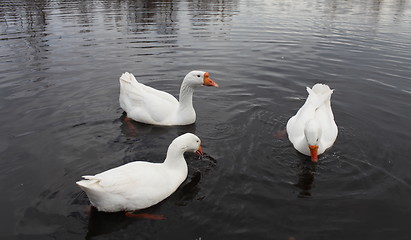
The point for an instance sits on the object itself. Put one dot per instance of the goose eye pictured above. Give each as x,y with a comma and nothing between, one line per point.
198,76
197,141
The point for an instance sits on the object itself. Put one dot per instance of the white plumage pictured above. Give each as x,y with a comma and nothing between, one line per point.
313,129
148,105
139,185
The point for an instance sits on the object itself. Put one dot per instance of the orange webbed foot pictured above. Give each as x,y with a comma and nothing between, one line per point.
281,134
130,125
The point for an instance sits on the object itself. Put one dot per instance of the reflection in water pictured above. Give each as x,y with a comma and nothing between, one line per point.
101,223
131,128
26,22
143,15
400,8
306,178
211,17
376,9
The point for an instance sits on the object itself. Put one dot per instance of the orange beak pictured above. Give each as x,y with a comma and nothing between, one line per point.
207,80
199,151
314,152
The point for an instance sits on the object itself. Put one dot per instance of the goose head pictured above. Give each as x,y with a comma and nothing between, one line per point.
198,78
188,142
312,133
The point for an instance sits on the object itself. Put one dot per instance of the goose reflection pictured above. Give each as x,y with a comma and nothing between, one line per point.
306,178
132,128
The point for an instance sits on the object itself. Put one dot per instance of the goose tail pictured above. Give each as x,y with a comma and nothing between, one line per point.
319,94
87,182
127,78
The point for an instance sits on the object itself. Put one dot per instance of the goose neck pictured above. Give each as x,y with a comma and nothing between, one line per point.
175,156
186,95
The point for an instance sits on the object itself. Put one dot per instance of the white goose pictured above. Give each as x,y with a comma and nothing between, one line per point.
312,130
148,105
139,185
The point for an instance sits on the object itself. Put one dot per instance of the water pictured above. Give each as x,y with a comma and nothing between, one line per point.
60,117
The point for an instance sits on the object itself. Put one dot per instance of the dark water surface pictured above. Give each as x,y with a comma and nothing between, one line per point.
60,118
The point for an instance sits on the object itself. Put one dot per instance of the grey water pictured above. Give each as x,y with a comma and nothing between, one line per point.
60,61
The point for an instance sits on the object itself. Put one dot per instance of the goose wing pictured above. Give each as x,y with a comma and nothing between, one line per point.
144,103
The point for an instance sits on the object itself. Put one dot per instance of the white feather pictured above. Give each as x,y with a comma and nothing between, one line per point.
148,105
314,118
139,185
